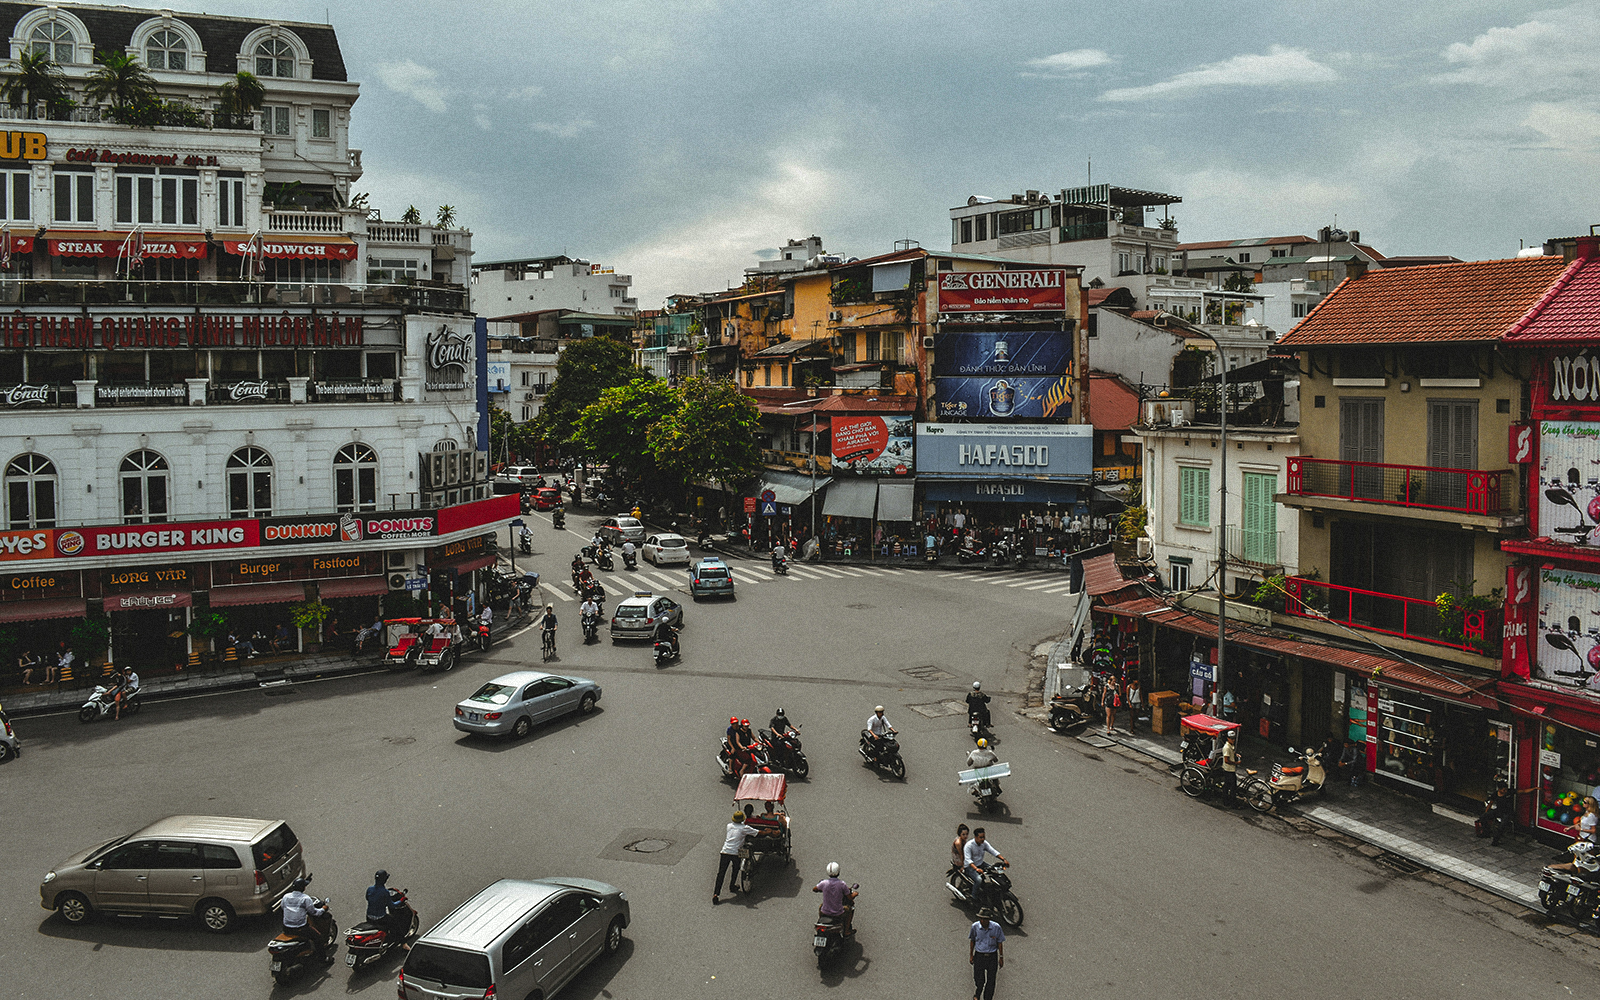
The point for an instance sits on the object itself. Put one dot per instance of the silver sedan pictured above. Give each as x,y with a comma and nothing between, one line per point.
512,704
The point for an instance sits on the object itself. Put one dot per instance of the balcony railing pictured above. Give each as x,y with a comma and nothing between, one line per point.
54,292
1466,491
1391,614
175,117
384,233
306,222
1252,547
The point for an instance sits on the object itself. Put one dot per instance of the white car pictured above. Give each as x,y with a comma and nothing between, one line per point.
666,550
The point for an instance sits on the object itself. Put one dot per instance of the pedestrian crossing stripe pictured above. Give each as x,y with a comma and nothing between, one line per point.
557,593
825,572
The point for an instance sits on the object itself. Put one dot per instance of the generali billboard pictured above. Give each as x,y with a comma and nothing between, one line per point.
1032,290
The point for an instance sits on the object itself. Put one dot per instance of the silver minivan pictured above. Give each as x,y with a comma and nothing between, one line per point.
217,867
517,938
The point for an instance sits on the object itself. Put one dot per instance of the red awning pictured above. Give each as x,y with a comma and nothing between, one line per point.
20,244
101,244
23,611
322,248
352,586
257,593
464,565
150,602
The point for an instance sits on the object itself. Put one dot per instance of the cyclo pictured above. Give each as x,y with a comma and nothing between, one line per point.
409,644
774,839
1201,772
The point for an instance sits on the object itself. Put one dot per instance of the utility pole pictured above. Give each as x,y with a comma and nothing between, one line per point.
1222,524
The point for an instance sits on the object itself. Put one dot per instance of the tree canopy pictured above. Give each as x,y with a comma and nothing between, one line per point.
618,426
711,433
121,80
587,368
36,79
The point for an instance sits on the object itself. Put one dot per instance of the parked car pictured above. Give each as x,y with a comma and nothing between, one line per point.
666,550
638,616
618,529
527,475
512,704
710,576
217,867
10,746
516,938
546,498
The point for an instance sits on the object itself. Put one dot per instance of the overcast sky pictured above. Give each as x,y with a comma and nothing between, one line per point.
678,141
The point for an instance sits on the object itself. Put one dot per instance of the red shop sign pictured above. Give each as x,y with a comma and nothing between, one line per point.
154,538
304,251
1033,290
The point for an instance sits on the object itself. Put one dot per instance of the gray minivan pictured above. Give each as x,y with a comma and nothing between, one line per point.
217,867
517,938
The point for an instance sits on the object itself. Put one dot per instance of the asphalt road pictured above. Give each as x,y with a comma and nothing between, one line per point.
1130,888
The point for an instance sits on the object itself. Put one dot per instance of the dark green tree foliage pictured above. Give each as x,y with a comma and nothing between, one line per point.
586,368
710,434
617,428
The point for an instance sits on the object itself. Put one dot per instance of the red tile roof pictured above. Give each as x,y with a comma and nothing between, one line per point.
868,404
1097,296
1113,403
1438,303
1570,308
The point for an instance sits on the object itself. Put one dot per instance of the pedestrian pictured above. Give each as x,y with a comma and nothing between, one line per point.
1133,700
986,953
1230,766
1587,825
738,830
1110,700
27,663
63,664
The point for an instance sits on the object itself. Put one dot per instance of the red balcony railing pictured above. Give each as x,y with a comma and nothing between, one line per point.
1391,614
1468,491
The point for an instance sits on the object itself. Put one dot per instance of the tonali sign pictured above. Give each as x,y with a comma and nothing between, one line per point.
1032,290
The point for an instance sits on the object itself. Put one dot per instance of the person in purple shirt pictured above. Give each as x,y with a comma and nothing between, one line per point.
836,897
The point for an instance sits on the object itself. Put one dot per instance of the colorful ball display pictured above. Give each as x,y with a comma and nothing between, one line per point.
1550,813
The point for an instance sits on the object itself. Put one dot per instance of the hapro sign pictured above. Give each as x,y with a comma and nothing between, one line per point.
1006,451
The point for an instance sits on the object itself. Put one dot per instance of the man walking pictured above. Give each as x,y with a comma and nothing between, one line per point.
737,831
986,953
1230,767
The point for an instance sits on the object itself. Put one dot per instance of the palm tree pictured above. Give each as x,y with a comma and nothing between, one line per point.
412,217
242,95
122,80
447,216
36,79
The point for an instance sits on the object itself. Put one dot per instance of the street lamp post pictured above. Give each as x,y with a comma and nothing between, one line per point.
1222,525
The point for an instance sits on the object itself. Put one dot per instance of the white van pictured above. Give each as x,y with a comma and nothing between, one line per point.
517,938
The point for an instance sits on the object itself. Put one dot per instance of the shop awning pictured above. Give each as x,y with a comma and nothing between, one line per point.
791,487
257,593
352,586
1101,575
26,611
851,498
110,244
472,564
159,601
896,501
317,248
19,244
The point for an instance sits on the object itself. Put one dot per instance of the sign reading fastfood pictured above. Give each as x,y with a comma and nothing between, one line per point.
1032,290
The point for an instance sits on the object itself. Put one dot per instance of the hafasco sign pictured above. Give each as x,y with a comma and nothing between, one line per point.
449,350
1006,450
1034,290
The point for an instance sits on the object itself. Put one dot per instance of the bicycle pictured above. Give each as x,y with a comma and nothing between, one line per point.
549,643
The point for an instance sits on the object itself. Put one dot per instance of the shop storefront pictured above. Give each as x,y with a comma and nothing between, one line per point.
149,608
457,572
37,611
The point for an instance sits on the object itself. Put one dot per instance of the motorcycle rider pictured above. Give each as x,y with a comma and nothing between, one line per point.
486,621
1230,766
384,909
589,607
978,702
742,743
666,633
877,726
778,557
974,867
982,756
577,569
629,557
299,910
525,537
836,897
780,724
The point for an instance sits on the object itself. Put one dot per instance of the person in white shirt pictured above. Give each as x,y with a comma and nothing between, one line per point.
628,551
299,910
588,607
130,687
974,867
738,830
877,725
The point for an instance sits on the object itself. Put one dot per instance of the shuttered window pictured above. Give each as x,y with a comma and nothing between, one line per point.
1194,497
1260,521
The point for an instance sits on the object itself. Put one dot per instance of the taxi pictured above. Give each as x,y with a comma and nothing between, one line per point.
637,616
710,576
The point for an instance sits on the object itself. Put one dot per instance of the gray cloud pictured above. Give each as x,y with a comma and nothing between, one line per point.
416,81
1278,67
1069,65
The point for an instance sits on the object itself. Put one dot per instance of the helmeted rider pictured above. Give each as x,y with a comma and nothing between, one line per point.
628,550
384,909
836,897
778,555
589,607
877,726
983,755
666,633
973,865
780,724
978,702
299,910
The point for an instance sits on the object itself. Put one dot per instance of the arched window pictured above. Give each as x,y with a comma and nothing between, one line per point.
274,57
31,492
250,483
144,487
445,444
52,39
355,478
167,50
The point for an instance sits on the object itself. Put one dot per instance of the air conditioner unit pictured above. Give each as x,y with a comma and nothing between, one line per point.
835,316
528,395
397,581
1144,548
927,343
480,467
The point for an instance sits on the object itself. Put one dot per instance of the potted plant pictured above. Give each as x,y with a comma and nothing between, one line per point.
209,627
308,616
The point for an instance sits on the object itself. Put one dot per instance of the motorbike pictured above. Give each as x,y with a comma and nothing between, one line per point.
367,943
1575,891
525,542
664,652
1069,706
978,726
596,593
970,553
292,956
760,763
883,754
527,503
830,936
931,556
705,542
1000,554
481,629
780,565
985,784
591,628
783,750
558,519
101,704
630,560
997,888
1291,784
604,561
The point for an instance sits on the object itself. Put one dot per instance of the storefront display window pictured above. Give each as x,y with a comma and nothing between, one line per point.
1569,769
1406,736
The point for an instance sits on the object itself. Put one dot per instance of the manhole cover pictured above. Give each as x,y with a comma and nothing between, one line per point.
927,673
399,741
1398,864
649,845
939,708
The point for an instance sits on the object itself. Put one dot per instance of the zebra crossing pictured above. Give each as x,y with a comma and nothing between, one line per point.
1039,581
650,578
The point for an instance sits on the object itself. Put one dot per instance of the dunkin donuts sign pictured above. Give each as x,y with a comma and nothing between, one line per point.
349,527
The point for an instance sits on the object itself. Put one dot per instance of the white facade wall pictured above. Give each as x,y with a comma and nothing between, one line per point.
569,286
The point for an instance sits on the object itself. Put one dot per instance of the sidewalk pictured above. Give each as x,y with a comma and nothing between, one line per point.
231,677
1429,835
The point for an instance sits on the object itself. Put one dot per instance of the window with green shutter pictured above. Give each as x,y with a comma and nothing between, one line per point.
1194,497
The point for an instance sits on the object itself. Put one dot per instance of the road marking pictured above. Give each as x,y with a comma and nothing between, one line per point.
1061,588
850,570
798,575
664,580
827,573
1047,583
752,578
558,593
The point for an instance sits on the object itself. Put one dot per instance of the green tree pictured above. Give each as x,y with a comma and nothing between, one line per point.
241,97
507,438
121,80
617,428
711,435
586,368
36,79
447,216
411,217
